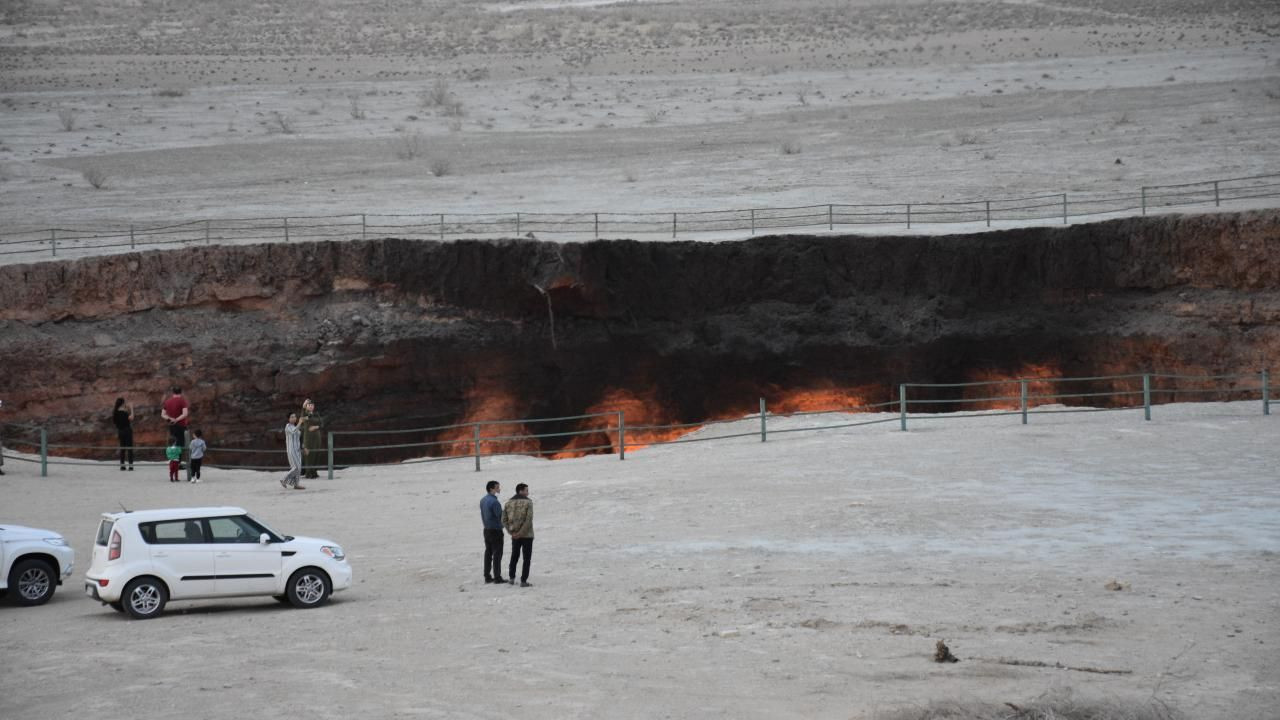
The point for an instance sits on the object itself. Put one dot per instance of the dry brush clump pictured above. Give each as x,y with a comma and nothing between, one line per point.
67,118
95,176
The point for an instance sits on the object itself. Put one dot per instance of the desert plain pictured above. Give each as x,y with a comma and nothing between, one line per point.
1094,556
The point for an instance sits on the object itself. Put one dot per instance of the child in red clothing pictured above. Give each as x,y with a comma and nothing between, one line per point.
174,453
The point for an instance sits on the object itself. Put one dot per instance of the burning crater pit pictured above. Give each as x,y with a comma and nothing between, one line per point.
397,334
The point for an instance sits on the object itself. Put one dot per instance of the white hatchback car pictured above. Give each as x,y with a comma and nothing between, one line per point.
33,563
143,559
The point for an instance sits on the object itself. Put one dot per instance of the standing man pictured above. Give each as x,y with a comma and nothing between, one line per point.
518,517
491,516
177,413
292,448
312,431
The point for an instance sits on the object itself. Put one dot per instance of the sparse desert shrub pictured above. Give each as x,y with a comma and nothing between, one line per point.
629,175
802,96
1122,119
408,147
282,122
95,176
357,112
791,147
968,138
453,108
440,166
654,116
455,124
169,92
438,94
988,155
67,118
1208,119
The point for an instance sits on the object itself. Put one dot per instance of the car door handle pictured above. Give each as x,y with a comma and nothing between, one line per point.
160,554
223,555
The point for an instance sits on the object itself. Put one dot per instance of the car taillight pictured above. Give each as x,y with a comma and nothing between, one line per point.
103,582
113,550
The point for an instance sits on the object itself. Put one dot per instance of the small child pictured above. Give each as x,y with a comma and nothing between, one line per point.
198,447
174,453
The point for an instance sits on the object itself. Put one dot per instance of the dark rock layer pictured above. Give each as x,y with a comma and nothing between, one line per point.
398,333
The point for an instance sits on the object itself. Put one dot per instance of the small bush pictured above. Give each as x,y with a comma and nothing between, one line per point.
1122,119
169,92
791,147
95,176
409,147
438,94
968,138
68,117
282,123
357,112
440,166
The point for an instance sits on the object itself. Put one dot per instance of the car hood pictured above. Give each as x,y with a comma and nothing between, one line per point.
300,542
10,533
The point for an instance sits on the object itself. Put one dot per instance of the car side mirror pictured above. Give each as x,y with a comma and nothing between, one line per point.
264,539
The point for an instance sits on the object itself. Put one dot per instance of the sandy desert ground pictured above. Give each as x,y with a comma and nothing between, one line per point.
194,110
808,577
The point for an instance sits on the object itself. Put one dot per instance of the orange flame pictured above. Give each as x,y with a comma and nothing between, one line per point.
1008,387
821,399
488,404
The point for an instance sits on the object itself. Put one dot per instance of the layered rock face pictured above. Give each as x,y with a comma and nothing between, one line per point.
395,333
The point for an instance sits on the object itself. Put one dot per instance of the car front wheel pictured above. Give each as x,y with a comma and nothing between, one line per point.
144,598
33,582
308,588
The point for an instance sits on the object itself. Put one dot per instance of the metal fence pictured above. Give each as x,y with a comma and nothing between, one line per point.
441,226
609,433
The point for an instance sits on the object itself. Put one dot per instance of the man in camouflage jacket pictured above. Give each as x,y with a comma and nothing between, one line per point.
517,517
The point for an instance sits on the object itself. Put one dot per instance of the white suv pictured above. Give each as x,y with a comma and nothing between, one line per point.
33,563
143,559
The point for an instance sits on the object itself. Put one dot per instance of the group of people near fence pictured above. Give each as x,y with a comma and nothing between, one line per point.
517,519
303,440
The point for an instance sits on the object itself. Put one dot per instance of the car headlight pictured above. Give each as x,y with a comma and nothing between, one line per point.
333,551
56,541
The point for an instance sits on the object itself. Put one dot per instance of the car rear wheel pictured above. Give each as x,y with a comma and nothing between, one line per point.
308,588
144,598
32,581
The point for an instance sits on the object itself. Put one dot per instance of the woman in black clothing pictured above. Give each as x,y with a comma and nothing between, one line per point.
124,429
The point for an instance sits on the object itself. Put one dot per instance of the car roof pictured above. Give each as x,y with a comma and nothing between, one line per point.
175,513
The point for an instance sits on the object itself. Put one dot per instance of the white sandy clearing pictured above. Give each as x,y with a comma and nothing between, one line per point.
807,577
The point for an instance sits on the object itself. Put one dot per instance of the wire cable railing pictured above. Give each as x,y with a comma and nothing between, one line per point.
608,432
1054,207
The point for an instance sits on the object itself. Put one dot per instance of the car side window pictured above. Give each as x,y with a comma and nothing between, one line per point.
173,532
233,529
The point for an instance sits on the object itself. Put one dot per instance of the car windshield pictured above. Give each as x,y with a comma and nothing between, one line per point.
267,529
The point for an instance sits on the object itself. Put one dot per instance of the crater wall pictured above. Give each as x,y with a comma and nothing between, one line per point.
397,333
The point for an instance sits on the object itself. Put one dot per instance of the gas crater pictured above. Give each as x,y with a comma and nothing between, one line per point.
392,334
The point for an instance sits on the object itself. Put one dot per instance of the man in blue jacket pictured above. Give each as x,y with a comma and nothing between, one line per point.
491,515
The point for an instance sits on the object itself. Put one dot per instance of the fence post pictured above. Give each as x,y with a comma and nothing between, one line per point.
53,237
622,435
286,229
1144,199
753,221
1023,383
44,452
902,406
830,221
517,223
206,231
1216,200
131,244
475,435
330,455
1146,396
1064,208
673,224
597,226
442,227
764,429
908,216
364,227
988,213
1266,392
